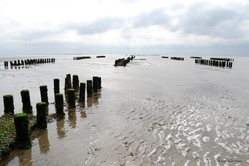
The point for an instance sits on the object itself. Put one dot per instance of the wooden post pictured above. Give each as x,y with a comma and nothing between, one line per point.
6,64
75,82
89,88
44,93
56,86
69,84
59,105
95,83
8,104
26,104
71,98
41,119
22,130
82,91
99,83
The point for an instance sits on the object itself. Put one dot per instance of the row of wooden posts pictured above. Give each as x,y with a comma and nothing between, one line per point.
87,57
28,62
177,58
123,61
216,63
21,119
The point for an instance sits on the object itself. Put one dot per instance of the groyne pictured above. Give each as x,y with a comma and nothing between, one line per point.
28,62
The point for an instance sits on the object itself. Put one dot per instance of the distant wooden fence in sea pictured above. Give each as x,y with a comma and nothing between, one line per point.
177,58
81,57
123,61
18,63
217,62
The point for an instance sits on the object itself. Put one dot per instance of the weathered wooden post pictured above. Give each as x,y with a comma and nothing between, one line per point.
41,119
75,82
71,98
56,86
44,94
89,88
95,83
69,84
6,64
59,104
8,104
22,130
99,83
26,104
82,91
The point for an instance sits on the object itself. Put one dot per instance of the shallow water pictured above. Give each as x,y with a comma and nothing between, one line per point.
152,112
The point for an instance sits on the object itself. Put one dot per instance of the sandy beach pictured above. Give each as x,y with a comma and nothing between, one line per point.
151,112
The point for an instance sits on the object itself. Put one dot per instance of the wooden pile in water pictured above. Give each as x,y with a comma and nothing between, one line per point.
81,57
16,63
123,61
217,62
177,58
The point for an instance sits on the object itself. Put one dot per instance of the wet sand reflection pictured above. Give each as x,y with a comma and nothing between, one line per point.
61,133
83,114
72,118
43,141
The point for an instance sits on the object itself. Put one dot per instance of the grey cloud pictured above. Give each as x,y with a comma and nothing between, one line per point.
199,19
215,22
100,25
155,17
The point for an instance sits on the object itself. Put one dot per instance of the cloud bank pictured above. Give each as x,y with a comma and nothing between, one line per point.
121,27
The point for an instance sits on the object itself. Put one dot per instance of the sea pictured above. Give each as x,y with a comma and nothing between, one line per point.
154,111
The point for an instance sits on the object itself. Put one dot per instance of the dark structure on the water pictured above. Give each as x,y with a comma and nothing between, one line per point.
123,61
177,58
217,62
81,57
28,62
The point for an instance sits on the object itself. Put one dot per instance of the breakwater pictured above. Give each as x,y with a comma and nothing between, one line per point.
177,58
27,62
81,57
16,129
123,61
217,62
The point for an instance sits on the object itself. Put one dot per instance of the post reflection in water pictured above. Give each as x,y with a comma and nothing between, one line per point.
43,141
72,118
60,128
95,98
25,157
89,101
83,114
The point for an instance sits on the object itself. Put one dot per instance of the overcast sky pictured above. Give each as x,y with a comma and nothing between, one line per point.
189,27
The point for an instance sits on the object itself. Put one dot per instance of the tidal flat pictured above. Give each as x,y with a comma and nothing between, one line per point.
154,111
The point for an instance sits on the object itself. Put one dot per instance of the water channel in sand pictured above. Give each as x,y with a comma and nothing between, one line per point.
151,112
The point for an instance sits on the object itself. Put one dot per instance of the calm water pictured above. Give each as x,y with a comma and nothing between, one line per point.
152,112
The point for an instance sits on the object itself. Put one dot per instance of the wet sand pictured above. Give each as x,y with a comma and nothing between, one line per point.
152,112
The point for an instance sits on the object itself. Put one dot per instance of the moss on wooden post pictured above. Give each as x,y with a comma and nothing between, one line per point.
8,104
82,91
22,131
41,119
89,85
56,86
95,83
59,106
26,104
71,98
75,82
44,93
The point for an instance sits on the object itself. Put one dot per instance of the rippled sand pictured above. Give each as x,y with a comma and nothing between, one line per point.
152,112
